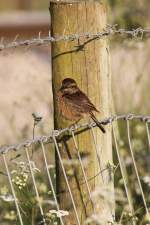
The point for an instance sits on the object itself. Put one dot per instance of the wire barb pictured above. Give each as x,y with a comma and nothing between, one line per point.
56,133
109,31
54,139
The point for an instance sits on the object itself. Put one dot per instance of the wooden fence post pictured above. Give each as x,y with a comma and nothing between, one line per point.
90,68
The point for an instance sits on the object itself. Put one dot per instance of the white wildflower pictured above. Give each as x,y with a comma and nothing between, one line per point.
7,198
59,213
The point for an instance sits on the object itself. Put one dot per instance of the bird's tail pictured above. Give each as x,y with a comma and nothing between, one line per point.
97,123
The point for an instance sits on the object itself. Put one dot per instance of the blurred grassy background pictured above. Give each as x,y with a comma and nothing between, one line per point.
130,14
25,78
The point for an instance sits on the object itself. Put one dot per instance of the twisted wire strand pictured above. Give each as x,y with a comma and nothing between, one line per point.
67,182
13,190
120,160
109,31
97,154
56,133
136,171
83,171
50,181
35,187
53,138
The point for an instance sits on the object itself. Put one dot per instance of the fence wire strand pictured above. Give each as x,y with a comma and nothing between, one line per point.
122,172
54,139
97,154
49,138
136,170
83,170
67,182
12,189
50,181
109,31
35,186
148,134
83,39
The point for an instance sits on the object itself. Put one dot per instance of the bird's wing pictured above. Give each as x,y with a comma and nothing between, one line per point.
80,101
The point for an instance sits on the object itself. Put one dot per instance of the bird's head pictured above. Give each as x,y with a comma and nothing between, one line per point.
69,86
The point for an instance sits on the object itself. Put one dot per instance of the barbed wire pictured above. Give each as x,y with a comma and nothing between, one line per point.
55,133
94,196
109,31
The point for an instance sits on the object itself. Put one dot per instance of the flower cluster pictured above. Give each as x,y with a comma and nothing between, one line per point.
59,213
11,215
146,180
53,215
20,179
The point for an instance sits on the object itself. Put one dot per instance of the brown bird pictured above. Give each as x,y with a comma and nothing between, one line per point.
74,104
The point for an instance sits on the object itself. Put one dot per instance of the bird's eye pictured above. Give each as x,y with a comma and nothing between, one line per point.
72,86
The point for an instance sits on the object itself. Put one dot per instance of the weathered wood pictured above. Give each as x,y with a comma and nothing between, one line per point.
90,68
